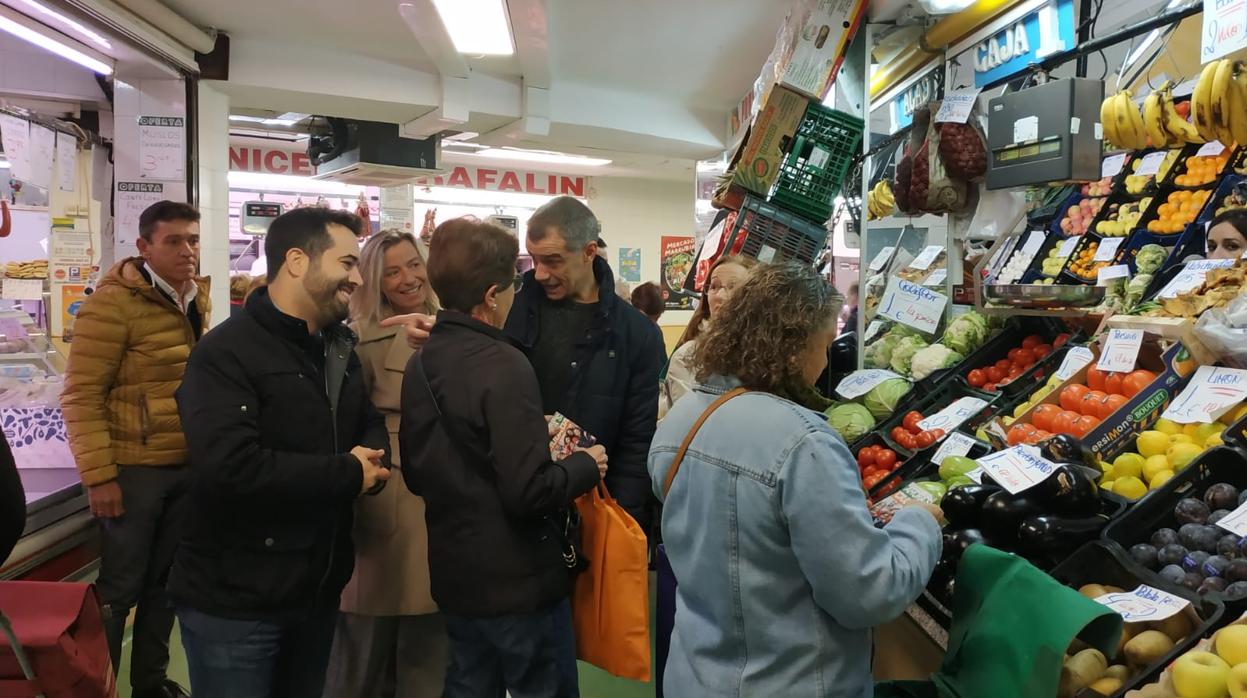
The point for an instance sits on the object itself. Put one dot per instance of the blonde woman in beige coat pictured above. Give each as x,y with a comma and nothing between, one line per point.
390,640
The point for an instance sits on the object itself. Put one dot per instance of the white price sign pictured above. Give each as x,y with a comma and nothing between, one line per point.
1107,274
1112,165
1213,390
881,260
1144,604
1192,276
1107,249
1018,469
1067,247
859,383
957,107
1121,351
1033,242
1224,29
926,257
1149,164
872,329
22,290
936,278
957,444
1211,149
954,415
913,305
1236,521
1074,360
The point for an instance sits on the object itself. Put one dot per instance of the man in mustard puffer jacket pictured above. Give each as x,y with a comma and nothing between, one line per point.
131,340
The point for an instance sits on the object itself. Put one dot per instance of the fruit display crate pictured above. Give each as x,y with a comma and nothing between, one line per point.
906,460
914,466
1183,168
1034,273
1067,275
1162,198
1229,184
1107,564
1075,199
1045,211
1236,436
942,377
1222,464
998,349
931,403
1121,184
1175,243
821,154
770,234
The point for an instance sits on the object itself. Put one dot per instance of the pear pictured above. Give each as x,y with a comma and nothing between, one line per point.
1093,591
1107,685
1147,647
1177,626
1081,671
1117,671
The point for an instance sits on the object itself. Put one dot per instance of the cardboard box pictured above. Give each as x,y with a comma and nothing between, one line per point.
756,163
813,42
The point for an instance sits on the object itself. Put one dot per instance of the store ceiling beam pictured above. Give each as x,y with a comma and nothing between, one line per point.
530,28
424,22
172,23
452,114
534,120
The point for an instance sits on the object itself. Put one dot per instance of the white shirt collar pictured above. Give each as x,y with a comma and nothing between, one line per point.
183,301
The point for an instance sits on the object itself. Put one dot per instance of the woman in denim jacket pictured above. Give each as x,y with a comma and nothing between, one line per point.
781,570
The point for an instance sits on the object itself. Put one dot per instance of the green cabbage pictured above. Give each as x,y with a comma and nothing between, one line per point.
851,420
930,359
967,333
879,353
1149,259
883,398
904,352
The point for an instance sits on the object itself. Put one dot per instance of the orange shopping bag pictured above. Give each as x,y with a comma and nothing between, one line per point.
610,602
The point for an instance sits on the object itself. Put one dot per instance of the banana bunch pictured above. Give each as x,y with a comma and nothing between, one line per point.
1165,127
1123,124
879,200
1219,103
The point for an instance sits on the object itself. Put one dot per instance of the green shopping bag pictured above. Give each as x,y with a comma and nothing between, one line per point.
1011,625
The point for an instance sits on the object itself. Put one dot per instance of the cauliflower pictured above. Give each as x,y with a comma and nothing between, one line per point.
930,359
1149,258
967,333
879,354
904,352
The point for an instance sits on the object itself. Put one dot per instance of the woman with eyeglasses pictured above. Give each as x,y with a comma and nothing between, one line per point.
390,639
476,446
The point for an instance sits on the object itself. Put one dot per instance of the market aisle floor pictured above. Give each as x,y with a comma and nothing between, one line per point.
594,683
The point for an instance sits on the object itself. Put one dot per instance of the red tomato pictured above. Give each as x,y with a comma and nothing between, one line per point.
1095,378
939,433
910,422
1112,404
1041,350
1083,424
886,458
995,374
1016,371
1064,422
1040,435
1113,383
907,442
924,439
1032,341
1004,364
976,378
898,433
1060,340
1136,382
1018,433
989,387
865,458
873,479
1015,355
1072,395
1043,415
888,488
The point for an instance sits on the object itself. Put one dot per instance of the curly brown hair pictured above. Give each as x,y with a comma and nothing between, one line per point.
764,329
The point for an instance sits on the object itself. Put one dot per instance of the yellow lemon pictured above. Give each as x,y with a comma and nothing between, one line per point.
1180,439
1107,486
1238,413
1108,473
1180,455
1128,465
1213,440
1167,426
1129,487
1154,466
1201,432
1152,443
1161,478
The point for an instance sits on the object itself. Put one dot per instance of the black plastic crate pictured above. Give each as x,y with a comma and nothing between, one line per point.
917,466
1227,185
1236,434
931,403
821,154
1107,564
1000,346
770,234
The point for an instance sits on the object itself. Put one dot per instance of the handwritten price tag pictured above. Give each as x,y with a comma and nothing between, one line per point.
1150,164
1211,393
872,329
1210,149
957,107
1236,521
1121,351
881,259
936,278
1074,360
1192,276
1107,274
1018,469
1033,242
1067,247
1144,604
957,444
926,257
859,383
954,415
1112,165
912,304
1107,249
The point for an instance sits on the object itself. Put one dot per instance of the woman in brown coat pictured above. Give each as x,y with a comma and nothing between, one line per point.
390,640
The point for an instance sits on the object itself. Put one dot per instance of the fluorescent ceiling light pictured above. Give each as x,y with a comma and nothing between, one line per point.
944,7
283,120
539,156
1138,53
55,16
477,27
263,181
4,164
47,39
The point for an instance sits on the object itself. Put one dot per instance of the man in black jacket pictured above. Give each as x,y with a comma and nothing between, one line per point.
597,358
282,438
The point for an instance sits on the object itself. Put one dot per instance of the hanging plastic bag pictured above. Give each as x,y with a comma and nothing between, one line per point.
998,212
1224,332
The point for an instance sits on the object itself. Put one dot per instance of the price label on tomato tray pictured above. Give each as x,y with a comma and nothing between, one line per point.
1107,274
1018,469
957,444
1067,246
1150,164
954,415
1213,390
926,257
957,107
1107,249
1144,604
1074,360
1112,165
1192,276
881,260
1121,351
913,305
858,383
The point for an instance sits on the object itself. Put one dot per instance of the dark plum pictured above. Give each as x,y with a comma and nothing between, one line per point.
1191,511
1237,571
1200,537
1170,555
1145,554
1217,515
1194,560
1221,496
1236,589
1192,580
1163,537
1212,585
1216,566
1242,548
1242,498
1227,547
1174,574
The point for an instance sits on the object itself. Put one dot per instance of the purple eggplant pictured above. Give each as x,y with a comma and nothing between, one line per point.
1070,491
1046,534
1002,513
962,504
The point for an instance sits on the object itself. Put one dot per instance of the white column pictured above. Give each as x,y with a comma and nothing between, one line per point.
213,179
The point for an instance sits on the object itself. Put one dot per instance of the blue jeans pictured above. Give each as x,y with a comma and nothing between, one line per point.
530,655
231,658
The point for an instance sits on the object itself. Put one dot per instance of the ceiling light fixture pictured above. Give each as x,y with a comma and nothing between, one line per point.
542,156
477,27
4,164
944,7
1150,39
92,36
35,33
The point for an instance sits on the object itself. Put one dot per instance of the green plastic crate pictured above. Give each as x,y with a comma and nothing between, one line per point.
817,163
